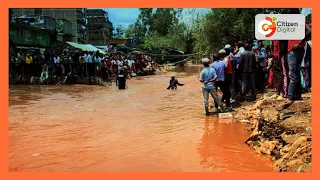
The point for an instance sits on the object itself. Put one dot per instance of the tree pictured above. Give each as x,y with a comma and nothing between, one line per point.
196,32
192,19
166,31
140,28
163,20
222,26
119,31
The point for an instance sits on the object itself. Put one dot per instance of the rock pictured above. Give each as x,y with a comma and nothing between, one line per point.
277,156
268,146
299,141
283,134
280,98
255,143
244,121
253,136
295,162
258,151
250,143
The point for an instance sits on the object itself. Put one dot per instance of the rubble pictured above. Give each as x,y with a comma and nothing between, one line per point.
284,135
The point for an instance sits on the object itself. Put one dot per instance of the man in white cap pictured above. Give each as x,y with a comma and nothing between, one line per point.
221,68
207,77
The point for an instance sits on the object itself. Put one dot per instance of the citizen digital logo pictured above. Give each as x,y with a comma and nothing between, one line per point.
285,26
280,26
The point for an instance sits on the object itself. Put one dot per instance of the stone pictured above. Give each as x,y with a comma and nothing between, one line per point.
253,135
295,162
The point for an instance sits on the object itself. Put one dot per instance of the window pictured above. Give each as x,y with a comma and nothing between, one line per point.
21,33
38,11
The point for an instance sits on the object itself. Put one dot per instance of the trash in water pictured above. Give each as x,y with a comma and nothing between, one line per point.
225,116
36,154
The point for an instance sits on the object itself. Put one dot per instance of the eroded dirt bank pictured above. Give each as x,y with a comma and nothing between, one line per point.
285,135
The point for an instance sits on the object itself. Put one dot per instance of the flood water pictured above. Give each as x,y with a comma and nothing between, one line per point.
145,128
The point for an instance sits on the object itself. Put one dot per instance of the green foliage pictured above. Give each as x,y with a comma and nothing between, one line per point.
227,26
159,30
196,32
176,38
138,30
120,32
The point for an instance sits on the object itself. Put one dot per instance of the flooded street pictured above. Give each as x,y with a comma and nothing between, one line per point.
143,128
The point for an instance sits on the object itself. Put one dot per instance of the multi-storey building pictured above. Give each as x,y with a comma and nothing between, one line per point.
77,16
99,27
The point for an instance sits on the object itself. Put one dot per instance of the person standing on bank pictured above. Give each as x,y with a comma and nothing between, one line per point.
237,80
295,57
233,63
224,72
261,65
248,67
207,77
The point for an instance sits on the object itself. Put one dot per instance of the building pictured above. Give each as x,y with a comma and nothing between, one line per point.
39,32
99,27
77,17
115,42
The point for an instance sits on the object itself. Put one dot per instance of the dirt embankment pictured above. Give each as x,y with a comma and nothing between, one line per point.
285,135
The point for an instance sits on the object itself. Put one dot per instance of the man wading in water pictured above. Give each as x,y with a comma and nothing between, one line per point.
207,77
173,83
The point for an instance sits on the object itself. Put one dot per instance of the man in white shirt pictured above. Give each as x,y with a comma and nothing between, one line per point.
88,58
130,62
56,59
120,64
237,79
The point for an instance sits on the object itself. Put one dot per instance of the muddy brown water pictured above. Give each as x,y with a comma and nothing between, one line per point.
145,128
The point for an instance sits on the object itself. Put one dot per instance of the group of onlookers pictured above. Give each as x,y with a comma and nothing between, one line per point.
84,64
284,65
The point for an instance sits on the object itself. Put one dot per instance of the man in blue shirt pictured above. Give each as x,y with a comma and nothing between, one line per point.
220,66
207,77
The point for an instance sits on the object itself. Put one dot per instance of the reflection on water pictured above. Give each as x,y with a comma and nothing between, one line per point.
144,128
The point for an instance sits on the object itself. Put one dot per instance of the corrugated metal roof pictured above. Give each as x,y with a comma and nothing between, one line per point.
85,47
95,49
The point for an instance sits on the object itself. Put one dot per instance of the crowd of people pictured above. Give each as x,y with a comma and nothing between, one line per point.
251,67
79,63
